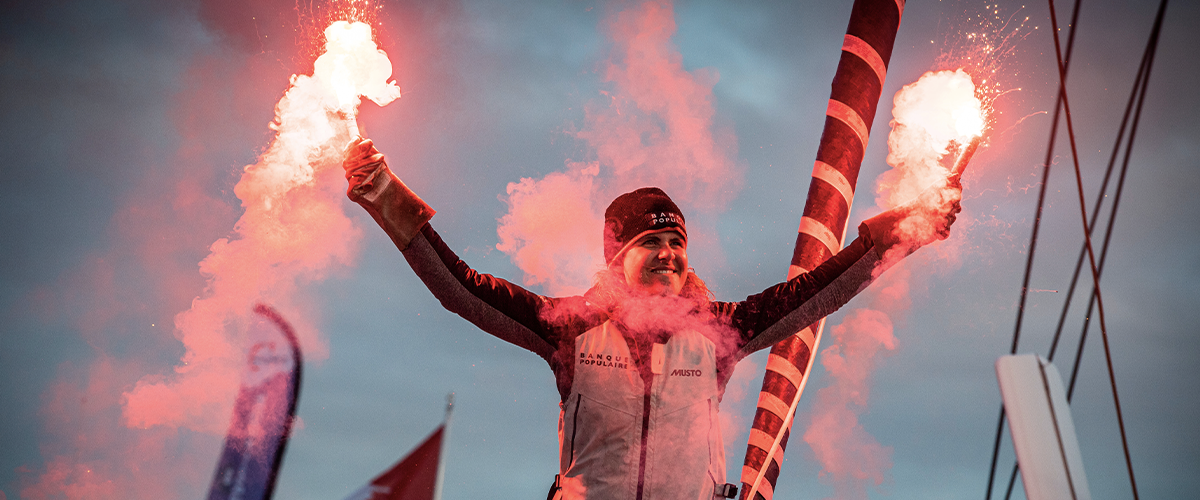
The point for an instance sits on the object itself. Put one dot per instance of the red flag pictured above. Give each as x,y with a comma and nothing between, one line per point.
414,477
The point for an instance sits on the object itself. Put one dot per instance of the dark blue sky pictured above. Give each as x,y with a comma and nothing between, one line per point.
126,124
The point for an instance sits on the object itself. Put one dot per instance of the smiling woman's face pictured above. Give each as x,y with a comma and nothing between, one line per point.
657,263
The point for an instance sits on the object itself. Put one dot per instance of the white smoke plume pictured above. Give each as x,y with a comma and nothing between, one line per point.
124,429
934,116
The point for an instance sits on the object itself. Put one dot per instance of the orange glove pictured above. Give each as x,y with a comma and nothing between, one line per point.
362,163
398,210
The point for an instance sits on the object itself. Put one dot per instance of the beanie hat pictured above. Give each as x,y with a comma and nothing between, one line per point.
634,214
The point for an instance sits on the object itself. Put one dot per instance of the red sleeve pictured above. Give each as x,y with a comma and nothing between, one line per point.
497,306
786,308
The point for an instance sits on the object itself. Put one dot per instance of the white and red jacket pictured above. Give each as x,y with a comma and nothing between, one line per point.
639,409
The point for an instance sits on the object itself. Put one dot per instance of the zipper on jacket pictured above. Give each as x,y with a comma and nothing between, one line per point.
647,377
645,435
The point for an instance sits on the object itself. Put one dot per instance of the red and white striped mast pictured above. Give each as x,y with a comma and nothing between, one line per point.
857,86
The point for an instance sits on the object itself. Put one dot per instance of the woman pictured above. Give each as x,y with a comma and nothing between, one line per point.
641,360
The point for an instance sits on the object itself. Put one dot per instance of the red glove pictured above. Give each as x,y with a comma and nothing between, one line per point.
362,163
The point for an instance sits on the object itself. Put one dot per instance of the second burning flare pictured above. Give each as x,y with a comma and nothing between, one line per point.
936,118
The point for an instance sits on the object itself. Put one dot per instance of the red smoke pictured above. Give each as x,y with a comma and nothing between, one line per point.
653,127
291,232
656,127
118,301
552,229
850,457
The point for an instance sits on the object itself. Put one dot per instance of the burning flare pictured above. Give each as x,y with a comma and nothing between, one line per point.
292,231
353,66
935,121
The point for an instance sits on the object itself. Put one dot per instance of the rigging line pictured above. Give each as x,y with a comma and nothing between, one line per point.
1012,480
1112,161
1099,297
1092,301
1148,61
995,452
1137,95
1141,82
1037,221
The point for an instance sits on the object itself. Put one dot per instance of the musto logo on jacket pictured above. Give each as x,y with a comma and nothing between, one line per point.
622,437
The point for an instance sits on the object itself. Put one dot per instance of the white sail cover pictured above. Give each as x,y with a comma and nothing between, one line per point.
1042,429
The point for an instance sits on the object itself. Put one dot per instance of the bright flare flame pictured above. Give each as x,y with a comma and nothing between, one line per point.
353,66
968,119
944,105
934,117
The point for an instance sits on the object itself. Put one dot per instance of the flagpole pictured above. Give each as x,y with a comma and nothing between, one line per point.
441,468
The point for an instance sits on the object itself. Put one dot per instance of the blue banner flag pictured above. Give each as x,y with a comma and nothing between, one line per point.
262,413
